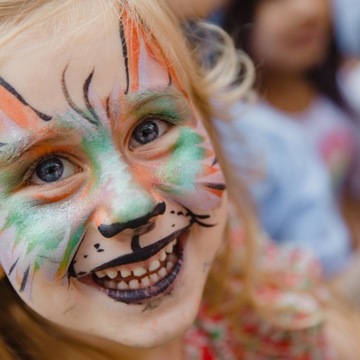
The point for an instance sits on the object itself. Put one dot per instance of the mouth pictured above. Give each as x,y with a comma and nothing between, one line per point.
135,283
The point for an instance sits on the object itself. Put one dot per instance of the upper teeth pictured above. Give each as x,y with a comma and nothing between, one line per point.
169,247
139,271
154,265
154,268
124,273
112,274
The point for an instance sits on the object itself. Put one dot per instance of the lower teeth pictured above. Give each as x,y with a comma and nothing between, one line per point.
144,282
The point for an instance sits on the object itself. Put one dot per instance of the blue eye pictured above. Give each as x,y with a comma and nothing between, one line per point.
50,170
53,169
148,131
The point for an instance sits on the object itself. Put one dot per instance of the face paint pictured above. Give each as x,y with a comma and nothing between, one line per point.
132,206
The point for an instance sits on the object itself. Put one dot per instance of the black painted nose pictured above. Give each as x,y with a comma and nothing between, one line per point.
111,230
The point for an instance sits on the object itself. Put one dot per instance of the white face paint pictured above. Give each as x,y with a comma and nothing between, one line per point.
112,202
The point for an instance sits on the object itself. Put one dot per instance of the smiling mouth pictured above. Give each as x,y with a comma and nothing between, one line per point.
135,283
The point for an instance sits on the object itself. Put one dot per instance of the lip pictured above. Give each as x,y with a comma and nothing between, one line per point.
141,295
138,296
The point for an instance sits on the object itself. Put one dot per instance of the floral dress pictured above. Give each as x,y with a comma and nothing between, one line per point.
293,331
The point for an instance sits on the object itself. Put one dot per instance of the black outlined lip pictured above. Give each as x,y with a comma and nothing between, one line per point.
142,254
142,295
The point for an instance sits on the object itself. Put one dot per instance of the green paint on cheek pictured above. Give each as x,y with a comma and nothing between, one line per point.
95,147
20,219
41,231
185,161
72,244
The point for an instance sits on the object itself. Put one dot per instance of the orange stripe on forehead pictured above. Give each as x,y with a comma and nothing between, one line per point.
14,106
15,110
140,44
132,42
131,34
156,52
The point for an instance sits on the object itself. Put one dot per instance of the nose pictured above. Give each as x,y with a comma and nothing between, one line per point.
124,199
110,230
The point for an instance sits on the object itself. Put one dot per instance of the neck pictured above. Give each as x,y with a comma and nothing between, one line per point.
287,91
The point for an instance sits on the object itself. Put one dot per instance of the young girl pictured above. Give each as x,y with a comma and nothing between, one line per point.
114,208
302,123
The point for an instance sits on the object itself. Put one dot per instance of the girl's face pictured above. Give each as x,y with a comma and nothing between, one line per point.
112,203
290,35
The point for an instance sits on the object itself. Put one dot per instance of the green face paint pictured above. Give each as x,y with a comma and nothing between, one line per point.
179,173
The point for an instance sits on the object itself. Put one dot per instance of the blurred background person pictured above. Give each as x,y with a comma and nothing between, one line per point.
301,111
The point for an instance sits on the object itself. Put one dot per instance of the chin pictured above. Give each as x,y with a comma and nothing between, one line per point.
92,312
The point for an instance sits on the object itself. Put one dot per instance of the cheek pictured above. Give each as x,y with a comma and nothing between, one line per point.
209,240
267,43
190,174
38,239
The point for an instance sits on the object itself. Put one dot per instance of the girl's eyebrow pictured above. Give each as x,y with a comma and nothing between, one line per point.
138,100
13,151
167,102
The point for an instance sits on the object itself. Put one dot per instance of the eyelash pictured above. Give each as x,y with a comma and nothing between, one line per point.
31,169
171,120
169,123
28,173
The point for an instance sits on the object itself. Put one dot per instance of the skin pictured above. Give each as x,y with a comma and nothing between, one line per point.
83,194
290,37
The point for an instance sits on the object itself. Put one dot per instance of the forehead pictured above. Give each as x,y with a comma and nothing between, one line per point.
110,51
